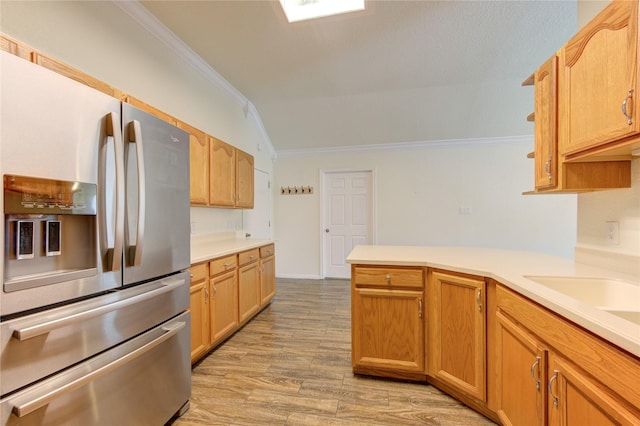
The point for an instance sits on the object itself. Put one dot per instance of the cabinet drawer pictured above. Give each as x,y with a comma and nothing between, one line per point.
394,277
198,272
248,256
267,251
223,264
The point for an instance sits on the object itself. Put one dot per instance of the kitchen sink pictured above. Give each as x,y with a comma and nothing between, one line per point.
621,298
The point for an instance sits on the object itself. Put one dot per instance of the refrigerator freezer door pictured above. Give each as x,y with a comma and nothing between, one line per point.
143,381
42,343
157,236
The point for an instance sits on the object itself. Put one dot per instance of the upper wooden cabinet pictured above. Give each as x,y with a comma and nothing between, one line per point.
230,176
575,116
150,109
546,122
598,86
222,187
198,164
244,180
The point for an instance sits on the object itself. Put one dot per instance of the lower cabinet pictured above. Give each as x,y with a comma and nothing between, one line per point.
248,285
550,372
227,292
500,353
521,366
388,321
267,279
224,306
576,399
457,331
199,308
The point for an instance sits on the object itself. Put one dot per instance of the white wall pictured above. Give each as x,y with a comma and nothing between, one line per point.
418,194
100,39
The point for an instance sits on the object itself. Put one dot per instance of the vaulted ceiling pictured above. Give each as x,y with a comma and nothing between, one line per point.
400,71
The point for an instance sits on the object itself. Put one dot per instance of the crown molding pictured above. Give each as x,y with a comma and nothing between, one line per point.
404,146
156,28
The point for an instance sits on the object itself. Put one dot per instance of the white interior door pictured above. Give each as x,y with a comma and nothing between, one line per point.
257,221
347,218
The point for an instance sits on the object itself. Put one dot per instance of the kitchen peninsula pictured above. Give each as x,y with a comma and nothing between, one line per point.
473,322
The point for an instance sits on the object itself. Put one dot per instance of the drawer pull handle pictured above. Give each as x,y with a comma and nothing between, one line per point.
388,278
28,332
533,372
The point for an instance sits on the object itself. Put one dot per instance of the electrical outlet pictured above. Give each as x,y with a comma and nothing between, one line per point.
464,210
612,235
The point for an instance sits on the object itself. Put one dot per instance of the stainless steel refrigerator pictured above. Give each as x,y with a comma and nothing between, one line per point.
94,321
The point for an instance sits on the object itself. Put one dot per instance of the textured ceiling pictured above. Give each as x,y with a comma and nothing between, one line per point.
401,71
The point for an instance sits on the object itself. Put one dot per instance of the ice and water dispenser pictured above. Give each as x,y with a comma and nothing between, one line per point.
50,231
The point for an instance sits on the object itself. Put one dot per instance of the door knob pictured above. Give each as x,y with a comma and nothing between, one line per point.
326,230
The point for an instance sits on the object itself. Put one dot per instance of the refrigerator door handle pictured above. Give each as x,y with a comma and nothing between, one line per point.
114,254
21,409
29,331
135,136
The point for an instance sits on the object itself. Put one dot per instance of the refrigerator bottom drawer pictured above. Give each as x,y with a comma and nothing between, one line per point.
144,381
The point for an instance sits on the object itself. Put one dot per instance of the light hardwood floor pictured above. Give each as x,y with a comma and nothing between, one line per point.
291,365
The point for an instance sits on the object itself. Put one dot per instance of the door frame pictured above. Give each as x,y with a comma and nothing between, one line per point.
323,201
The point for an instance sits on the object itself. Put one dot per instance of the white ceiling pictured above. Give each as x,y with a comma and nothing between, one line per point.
401,71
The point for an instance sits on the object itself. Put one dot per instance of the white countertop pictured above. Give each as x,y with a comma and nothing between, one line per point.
210,246
510,268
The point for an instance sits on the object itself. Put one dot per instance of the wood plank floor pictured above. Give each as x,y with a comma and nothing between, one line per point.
291,365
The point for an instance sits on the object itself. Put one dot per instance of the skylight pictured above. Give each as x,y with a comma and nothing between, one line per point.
300,10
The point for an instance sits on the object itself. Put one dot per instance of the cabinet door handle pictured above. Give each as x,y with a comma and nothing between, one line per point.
206,296
624,107
533,372
478,296
420,308
549,388
547,168
215,291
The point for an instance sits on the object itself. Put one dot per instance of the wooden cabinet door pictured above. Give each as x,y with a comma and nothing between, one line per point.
198,164
248,291
521,365
267,279
199,308
546,121
388,329
457,322
222,159
575,399
244,179
598,73
224,305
